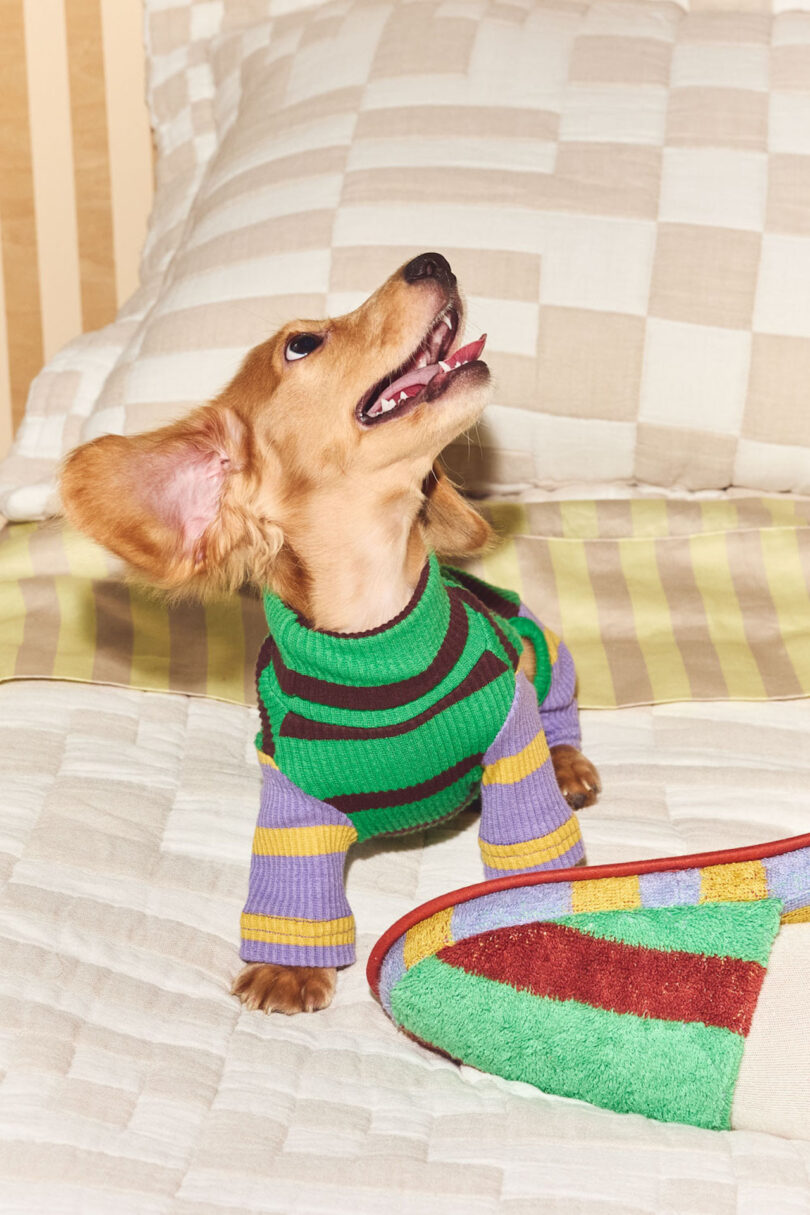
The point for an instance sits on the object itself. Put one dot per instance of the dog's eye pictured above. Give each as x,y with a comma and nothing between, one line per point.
302,345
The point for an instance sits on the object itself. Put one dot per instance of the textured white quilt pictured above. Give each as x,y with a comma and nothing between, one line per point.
133,1082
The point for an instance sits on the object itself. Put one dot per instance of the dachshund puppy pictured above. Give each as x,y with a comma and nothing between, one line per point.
392,690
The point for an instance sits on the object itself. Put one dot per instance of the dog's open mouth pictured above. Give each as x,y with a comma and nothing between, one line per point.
422,377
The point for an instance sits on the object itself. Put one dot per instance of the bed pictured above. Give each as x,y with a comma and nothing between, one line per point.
646,465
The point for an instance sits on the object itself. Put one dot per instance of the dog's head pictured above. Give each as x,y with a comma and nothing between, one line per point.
323,411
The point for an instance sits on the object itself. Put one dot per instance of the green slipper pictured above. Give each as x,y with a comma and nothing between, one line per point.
630,986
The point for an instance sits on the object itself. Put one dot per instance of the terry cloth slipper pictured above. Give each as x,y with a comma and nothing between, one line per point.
630,986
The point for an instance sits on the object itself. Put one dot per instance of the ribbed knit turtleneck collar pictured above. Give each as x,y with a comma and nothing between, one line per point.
399,649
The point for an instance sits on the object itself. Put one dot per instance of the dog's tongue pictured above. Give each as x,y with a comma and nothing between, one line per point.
413,381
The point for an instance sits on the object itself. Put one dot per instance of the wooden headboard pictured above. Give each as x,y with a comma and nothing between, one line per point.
76,179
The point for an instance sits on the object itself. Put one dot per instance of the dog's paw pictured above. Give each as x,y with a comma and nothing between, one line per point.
285,989
578,779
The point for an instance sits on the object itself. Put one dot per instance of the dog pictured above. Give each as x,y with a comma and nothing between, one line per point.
392,689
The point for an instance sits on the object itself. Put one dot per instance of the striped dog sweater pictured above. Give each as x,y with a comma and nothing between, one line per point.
392,730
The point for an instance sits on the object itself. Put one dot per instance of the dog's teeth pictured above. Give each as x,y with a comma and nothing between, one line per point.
445,366
447,322
403,396
386,405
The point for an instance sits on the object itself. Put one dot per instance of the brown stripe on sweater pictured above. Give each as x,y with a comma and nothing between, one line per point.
486,671
376,696
383,799
267,744
478,605
486,594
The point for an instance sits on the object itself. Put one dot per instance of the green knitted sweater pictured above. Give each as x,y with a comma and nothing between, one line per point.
390,726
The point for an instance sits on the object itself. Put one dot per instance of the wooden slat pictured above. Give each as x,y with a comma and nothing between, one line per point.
20,263
91,154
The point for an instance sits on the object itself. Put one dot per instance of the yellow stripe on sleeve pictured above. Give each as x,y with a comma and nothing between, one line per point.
303,841
532,852
512,768
553,644
281,930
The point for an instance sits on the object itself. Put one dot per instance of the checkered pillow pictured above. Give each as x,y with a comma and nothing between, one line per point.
623,189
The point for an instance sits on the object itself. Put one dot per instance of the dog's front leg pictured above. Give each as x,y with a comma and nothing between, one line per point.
577,777
526,823
297,926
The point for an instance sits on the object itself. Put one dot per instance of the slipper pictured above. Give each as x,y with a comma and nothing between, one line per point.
630,986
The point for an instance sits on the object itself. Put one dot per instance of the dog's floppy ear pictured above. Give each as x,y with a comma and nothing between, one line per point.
171,502
451,526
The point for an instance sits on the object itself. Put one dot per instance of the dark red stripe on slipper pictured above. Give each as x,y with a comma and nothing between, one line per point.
556,961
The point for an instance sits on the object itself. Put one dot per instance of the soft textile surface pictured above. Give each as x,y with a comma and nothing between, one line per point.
765,1094
659,600
134,1083
654,1024
622,190
631,986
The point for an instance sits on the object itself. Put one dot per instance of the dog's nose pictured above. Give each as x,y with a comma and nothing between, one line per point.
429,265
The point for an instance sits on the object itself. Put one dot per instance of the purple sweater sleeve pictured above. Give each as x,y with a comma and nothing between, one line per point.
526,823
297,913
559,712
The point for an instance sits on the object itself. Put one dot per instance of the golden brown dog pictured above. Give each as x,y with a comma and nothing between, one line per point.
303,476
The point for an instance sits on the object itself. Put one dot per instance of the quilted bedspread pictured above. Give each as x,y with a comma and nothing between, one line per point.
133,1082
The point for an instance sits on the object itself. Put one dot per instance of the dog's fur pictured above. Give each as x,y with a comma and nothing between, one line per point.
277,482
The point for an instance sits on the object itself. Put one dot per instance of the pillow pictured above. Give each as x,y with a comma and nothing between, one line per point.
599,176
624,203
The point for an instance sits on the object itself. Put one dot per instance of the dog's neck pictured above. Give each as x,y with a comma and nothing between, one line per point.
362,565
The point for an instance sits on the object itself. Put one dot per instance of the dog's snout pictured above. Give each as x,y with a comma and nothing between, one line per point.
429,265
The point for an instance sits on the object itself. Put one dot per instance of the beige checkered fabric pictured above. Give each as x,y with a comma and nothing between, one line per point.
623,189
